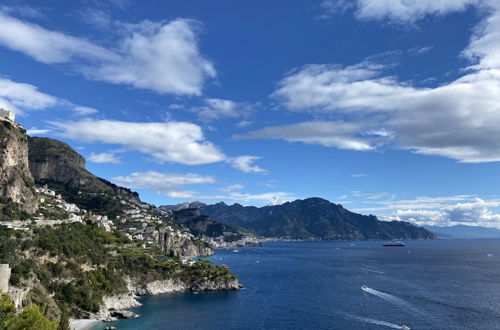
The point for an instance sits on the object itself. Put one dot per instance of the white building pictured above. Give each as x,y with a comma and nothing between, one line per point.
7,114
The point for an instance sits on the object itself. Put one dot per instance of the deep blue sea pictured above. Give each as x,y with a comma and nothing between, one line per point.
445,284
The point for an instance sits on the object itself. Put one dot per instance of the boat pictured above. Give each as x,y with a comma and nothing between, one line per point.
364,288
236,250
398,243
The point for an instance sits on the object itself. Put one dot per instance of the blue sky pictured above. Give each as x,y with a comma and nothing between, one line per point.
387,107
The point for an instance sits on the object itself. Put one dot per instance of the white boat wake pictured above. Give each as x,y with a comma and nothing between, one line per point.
372,270
392,299
378,322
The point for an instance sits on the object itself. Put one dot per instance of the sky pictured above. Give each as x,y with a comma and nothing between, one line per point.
388,107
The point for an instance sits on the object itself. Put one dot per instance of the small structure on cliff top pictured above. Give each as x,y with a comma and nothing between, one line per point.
4,278
6,114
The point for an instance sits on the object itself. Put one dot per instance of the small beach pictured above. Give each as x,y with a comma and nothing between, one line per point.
83,324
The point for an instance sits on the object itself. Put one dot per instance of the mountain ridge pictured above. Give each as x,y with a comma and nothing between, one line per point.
310,218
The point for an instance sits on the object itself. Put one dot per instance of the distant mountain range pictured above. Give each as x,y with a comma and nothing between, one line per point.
311,218
462,231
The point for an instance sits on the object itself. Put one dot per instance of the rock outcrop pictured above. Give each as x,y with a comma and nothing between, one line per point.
115,307
180,243
16,182
56,164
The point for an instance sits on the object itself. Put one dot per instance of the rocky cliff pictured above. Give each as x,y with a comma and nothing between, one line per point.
56,164
180,243
16,182
124,301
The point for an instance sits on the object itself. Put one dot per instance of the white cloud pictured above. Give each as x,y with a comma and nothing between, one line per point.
104,157
233,187
171,184
162,57
245,164
337,134
271,198
178,142
47,46
215,109
19,96
475,213
84,111
35,131
23,97
398,10
458,120
159,57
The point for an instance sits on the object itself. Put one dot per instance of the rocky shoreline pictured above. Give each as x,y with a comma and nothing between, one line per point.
117,306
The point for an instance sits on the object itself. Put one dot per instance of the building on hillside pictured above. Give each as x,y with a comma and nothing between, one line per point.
4,277
6,114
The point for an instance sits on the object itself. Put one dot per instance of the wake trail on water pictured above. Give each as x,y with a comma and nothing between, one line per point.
378,322
396,300
372,270
467,309
393,299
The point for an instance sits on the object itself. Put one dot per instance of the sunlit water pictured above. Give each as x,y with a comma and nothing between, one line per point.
305,285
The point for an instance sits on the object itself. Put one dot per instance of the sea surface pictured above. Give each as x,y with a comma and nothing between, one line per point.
445,284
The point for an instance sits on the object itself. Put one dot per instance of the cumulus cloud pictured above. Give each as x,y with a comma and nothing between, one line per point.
245,164
459,119
104,157
476,213
179,142
162,57
342,135
171,184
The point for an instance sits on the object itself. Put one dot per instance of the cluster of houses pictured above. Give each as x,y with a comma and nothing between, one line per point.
49,198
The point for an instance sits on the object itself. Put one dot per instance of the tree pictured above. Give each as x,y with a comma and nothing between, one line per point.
7,309
64,320
31,318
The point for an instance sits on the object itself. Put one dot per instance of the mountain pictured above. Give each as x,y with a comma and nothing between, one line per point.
202,225
17,188
463,231
312,218
62,169
182,206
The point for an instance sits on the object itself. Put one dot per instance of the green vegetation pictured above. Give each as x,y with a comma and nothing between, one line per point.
99,202
11,211
77,265
7,309
31,318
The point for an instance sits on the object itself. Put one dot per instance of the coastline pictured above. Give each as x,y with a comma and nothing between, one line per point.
83,324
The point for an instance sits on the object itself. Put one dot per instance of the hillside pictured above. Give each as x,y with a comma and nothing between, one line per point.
88,271
312,218
56,164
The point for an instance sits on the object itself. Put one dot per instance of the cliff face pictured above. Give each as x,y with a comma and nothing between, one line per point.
128,300
313,218
183,245
56,164
16,181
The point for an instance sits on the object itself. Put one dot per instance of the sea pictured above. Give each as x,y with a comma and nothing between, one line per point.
442,284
